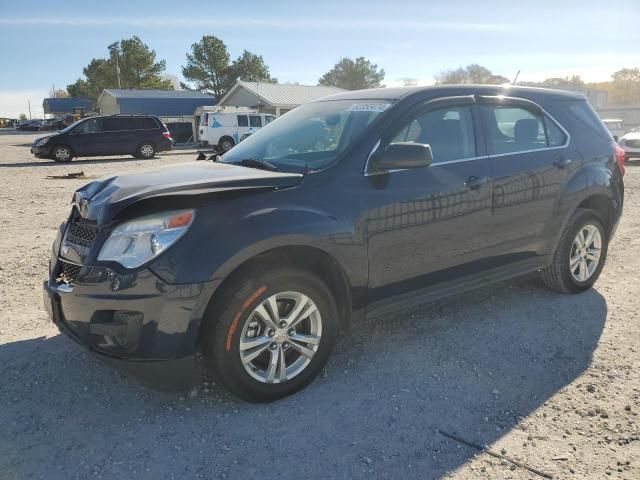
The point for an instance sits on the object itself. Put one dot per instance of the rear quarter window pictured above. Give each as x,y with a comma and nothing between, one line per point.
583,112
145,123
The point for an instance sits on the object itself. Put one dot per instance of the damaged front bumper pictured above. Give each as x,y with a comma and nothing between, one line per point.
136,322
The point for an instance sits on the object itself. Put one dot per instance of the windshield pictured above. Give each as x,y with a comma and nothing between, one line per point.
311,136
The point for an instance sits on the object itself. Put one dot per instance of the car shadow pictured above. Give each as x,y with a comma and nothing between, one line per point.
472,365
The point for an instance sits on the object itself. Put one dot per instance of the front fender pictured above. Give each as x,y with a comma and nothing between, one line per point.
215,249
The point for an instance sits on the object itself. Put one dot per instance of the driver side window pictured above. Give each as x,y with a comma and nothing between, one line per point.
92,125
447,130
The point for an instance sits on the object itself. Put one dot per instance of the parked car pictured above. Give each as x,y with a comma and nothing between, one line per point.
225,129
630,143
31,125
260,259
139,135
615,126
52,124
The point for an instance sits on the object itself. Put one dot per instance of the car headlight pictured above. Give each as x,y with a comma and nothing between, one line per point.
137,241
41,142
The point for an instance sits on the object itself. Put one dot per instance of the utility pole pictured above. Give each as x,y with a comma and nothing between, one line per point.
29,102
115,50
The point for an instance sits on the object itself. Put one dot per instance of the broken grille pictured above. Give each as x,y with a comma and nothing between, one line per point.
69,272
81,233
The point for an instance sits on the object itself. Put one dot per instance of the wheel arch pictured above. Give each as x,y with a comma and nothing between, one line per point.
311,259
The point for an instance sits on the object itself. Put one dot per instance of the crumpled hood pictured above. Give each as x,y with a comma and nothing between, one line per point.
103,199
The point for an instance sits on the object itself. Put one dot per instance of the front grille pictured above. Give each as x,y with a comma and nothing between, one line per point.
69,272
632,143
81,233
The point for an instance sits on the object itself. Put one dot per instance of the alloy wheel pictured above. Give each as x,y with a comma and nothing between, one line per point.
585,253
146,150
63,154
280,337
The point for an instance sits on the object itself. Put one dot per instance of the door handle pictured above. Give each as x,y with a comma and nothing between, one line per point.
562,162
473,182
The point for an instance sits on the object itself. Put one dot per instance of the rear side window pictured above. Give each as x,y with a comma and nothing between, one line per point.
448,131
254,121
243,121
512,129
583,112
143,123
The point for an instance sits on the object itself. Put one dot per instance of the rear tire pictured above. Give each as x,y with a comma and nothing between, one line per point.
62,154
577,263
146,150
289,352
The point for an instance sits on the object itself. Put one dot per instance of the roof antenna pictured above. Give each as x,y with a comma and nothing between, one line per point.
516,79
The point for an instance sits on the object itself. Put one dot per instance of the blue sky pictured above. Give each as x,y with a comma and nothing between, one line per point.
300,40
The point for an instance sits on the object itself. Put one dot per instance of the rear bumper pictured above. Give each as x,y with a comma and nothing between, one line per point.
150,338
165,146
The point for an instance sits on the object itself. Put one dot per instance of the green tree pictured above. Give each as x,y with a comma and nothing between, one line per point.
625,86
138,69
138,66
571,83
249,67
22,117
355,74
471,74
209,67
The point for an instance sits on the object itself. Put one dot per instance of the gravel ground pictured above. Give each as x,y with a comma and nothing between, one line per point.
550,380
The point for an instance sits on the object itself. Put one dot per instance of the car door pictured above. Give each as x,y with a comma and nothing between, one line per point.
429,225
530,160
117,135
86,139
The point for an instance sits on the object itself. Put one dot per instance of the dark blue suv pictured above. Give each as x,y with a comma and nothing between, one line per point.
138,135
399,197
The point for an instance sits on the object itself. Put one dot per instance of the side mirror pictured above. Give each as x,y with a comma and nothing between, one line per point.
401,156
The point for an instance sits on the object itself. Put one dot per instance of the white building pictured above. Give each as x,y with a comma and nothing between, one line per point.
273,98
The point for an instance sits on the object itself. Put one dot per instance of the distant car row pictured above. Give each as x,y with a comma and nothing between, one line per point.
40,125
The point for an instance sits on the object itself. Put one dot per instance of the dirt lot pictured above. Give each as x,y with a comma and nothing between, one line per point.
550,380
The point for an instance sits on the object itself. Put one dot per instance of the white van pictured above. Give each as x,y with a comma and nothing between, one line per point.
227,128
615,126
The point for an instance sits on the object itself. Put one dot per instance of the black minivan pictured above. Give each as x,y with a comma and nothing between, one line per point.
258,260
138,135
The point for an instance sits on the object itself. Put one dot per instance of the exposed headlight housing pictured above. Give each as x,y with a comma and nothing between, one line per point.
135,242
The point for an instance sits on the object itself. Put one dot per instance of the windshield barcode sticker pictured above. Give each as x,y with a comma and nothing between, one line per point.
368,107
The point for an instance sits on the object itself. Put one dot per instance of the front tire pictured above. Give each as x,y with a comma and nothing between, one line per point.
580,255
62,154
226,144
270,333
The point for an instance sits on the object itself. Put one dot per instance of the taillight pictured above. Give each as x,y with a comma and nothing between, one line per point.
166,135
620,159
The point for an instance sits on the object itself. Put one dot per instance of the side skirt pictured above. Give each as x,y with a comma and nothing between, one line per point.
454,287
